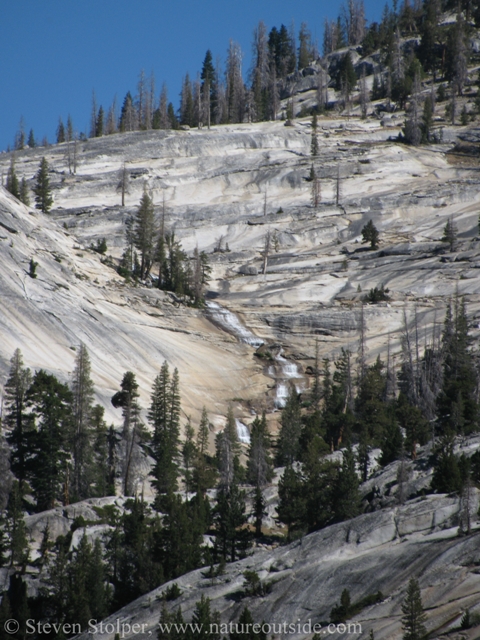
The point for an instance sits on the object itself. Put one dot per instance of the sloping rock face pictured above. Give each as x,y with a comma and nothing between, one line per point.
374,552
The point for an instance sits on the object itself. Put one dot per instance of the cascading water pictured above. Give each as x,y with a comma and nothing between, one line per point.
289,370
281,395
242,432
232,324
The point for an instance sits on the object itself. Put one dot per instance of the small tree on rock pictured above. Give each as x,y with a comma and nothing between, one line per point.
370,234
450,231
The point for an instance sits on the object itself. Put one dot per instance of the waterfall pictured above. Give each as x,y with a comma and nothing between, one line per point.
229,321
242,432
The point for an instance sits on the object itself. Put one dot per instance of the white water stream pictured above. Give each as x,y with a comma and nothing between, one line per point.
232,324
242,432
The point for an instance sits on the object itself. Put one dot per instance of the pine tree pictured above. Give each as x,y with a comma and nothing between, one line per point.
457,405
42,190
413,616
15,417
60,131
288,445
144,234
370,234
204,473
291,500
12,181
100,123
31,140
228,451
132,429
259,465
6,474
230,518
189,453
347,498
164,418
24,196
15,527
450,231
50,404
204,619
127,115
82,389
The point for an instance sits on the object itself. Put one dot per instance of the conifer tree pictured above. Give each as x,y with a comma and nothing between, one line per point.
24,196
189,452
370,234
164,418
5,472
31,140
100,123
12,181
346,503
230,518
413,616
132,429
144,234
204,472
15,527
206,620
82,390
60,131
457,404
228,451
127,115
450,234
42,190
50,404
288,445
291,500
259,465
15,417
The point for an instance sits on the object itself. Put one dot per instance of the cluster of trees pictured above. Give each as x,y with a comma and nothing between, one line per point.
42,189
434,396
148,242
217,96
55,448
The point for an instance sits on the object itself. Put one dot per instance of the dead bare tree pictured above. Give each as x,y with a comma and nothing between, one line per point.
266,251
123,183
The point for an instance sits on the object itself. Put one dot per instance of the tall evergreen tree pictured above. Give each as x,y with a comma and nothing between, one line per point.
259,465
230,519
346,495
457,404
228,452
413,616
288,444
50,404
60,131
204,472
12,181
132,429
15,417
291,500
42,190
24,195
144,234
15,527
82,390
164,418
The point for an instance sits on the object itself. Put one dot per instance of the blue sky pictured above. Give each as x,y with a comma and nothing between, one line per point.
55,52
